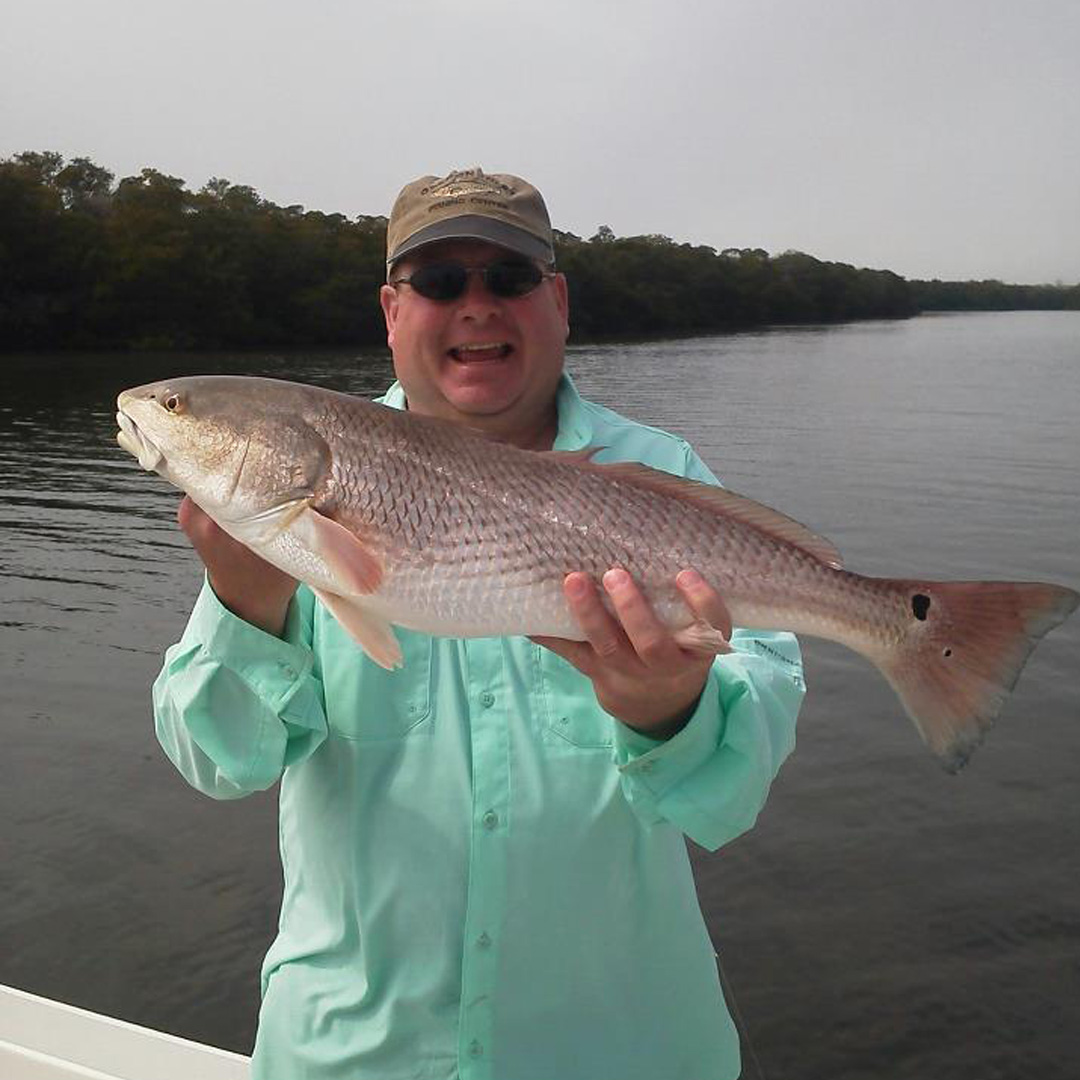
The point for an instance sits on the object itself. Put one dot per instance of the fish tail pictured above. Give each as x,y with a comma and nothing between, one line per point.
964,649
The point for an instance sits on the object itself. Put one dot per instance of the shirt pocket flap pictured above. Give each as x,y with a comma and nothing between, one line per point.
572,715
366,703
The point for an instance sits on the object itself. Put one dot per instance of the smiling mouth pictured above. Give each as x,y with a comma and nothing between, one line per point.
481,353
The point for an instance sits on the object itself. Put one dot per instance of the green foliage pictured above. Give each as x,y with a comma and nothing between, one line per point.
86,261
651,285
994,296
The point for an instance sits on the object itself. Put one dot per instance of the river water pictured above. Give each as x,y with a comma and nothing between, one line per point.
882,920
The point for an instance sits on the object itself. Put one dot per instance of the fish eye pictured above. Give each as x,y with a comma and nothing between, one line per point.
172,403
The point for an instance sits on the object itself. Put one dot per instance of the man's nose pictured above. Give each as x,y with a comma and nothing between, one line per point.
477,296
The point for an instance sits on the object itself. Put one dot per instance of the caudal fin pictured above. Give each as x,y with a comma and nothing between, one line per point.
963,654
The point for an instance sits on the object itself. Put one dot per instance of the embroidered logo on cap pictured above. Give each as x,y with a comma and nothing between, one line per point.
466,183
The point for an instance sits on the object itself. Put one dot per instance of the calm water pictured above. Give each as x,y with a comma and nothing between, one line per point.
882,920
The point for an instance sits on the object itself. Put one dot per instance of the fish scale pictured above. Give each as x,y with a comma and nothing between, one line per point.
398,519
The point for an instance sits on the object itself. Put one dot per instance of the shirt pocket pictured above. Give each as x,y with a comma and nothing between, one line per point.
368,704
572,716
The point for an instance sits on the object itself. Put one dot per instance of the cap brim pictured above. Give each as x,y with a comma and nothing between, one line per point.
475,227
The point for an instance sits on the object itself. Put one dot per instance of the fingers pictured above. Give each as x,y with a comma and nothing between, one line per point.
247,585
210,541
643,672
712,630
638,625
633,629
630,632
606,643
195,522
633,634
704,601
187,513
578,653
601,631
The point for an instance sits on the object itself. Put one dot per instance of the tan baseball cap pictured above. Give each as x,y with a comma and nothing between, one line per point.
470,204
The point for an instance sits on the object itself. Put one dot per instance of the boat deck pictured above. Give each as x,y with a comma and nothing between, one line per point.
47,1040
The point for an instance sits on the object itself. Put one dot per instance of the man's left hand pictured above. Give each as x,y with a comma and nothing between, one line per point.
639,671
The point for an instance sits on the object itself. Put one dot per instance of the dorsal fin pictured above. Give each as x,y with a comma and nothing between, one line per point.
721,501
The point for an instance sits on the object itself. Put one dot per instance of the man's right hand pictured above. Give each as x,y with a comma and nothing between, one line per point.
248,586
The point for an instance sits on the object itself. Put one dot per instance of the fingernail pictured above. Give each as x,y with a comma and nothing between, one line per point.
688,579
616,579
577,586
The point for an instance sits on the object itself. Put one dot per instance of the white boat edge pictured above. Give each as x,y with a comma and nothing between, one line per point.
42,1039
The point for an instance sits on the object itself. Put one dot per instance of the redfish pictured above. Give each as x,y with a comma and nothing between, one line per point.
393,518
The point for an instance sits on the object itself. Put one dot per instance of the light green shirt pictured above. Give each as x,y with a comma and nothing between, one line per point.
485,874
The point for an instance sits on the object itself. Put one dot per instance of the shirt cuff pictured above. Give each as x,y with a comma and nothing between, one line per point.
246,699
711,779
275,668
651,768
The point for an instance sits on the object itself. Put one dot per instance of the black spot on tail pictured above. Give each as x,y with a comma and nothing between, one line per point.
920,605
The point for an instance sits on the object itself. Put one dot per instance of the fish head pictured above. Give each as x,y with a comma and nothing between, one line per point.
240,447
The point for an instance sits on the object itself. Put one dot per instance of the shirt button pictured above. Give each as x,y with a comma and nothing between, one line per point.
475,1049
490,819
483,941
487,699
287,670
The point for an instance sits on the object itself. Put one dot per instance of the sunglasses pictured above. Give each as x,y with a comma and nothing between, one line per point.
506,278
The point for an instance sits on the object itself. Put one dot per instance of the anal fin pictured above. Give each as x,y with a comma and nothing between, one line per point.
703,638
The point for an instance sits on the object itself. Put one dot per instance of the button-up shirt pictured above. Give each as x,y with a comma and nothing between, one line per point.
485,874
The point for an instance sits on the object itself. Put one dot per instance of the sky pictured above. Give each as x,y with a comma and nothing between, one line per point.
935,138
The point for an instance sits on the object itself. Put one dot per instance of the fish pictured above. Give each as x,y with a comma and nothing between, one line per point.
395,519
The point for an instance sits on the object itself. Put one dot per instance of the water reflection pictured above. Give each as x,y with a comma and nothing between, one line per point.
914,912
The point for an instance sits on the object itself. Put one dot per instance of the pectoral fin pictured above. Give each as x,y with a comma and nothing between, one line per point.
370,631
356,569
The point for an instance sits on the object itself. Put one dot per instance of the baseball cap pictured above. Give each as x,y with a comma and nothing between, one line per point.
470,204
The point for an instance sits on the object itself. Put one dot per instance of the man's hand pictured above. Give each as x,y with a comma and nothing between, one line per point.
248,586
639,671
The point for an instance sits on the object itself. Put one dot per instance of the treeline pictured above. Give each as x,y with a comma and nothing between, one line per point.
993,296
87,261
145,263
652,285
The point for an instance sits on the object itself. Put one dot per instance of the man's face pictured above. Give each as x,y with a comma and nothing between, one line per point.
487,361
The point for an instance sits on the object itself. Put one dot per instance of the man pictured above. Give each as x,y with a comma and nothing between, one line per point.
485,871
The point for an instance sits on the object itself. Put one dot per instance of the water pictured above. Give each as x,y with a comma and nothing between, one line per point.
883,919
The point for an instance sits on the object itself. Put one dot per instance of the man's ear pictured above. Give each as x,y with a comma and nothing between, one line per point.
562,300
388,299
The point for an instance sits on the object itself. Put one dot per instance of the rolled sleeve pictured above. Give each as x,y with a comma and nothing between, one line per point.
712,778
234,705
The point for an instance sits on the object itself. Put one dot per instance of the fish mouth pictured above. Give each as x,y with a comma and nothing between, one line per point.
137,444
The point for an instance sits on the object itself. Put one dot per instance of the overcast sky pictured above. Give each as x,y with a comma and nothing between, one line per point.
937,138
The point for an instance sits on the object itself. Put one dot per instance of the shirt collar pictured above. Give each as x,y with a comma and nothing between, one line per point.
575,424
394,397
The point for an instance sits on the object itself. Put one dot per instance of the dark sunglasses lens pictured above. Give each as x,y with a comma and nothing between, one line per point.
440,281
513,277
447,281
